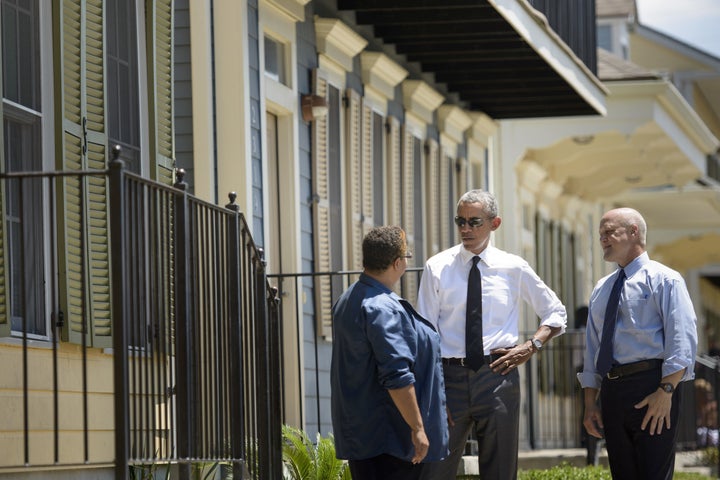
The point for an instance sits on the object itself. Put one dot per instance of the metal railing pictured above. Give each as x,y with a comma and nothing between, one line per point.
195,341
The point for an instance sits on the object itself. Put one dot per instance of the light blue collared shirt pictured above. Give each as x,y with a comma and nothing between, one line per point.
655,319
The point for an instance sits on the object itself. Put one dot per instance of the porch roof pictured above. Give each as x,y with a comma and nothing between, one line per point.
499,57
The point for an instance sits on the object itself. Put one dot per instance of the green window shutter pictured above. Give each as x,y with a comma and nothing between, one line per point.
159,36
4,281
83,244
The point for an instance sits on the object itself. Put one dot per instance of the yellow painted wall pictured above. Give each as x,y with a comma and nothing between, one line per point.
650,55
70,406
706,112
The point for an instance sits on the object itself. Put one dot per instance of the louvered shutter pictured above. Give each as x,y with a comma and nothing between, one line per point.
83,246
394,167
408,208
321,216
446,231
355,178
368,169
408,192
159,35
434,202
4,261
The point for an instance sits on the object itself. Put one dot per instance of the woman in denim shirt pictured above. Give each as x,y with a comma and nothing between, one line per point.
388,401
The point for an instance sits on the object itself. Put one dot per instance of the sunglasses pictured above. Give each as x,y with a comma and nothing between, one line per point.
472,222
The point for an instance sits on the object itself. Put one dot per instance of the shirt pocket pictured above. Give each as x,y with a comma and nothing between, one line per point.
638,309
498,301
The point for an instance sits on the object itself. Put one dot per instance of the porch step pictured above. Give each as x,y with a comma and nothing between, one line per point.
537,460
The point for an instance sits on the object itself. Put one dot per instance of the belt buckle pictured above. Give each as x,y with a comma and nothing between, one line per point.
462,362
615,377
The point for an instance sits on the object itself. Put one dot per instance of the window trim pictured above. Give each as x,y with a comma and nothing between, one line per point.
45,124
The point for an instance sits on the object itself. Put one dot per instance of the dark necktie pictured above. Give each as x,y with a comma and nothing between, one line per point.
605,356
474,355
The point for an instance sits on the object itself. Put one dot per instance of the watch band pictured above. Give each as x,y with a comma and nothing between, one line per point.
667,387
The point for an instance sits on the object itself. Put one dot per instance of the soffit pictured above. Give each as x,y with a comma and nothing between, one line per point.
499,57
650,138
615,8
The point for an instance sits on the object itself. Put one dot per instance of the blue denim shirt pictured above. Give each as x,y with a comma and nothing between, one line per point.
381,343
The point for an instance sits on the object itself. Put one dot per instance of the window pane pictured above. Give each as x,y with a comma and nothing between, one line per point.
24,216
275,60
604,37
21,57
122,80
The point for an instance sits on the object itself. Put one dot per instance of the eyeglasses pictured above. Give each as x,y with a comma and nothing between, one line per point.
472,222
407,255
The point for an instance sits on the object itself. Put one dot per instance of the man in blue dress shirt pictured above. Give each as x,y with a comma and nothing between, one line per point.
636,361
388,398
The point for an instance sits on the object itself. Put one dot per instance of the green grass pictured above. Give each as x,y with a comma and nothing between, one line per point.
569,472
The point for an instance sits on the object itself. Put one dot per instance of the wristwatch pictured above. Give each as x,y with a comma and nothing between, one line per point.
667,387
537,343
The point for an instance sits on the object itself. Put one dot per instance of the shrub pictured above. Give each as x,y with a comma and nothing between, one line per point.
565,471
307,461
569,472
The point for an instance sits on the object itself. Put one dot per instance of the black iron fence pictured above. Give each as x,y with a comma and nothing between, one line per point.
193,373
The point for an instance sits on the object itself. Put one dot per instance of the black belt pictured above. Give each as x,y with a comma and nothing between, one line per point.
632,368
461,361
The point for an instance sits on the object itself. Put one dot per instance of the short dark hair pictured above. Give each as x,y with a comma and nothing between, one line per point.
382,246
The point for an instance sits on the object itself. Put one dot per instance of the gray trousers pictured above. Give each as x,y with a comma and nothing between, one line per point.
489,403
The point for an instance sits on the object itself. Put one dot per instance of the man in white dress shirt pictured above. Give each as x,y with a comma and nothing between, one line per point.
487,398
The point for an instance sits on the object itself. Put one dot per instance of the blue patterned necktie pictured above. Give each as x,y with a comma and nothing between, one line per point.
605,356
474,355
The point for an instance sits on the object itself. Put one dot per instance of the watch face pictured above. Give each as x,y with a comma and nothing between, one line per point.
668,387
538,344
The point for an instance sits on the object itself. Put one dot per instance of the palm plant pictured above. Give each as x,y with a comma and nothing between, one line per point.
307,461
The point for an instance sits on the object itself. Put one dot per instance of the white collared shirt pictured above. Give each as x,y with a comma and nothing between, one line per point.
506,280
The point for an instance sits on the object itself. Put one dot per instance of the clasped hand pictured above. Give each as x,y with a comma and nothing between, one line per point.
511,358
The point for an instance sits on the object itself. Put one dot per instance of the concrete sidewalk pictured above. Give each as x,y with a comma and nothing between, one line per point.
546,459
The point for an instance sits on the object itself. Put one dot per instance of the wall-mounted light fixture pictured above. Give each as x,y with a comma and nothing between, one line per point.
313,106
583,139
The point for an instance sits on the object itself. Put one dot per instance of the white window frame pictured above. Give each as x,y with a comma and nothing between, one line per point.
46,132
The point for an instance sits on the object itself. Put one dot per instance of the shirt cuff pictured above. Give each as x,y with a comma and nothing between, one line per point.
589,380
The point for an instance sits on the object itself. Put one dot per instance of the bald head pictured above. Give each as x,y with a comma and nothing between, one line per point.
622,235
628,218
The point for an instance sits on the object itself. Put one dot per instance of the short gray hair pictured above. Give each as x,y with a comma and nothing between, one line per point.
487,200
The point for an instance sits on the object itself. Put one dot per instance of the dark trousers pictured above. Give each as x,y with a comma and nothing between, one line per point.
489,403
384,467
634,454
